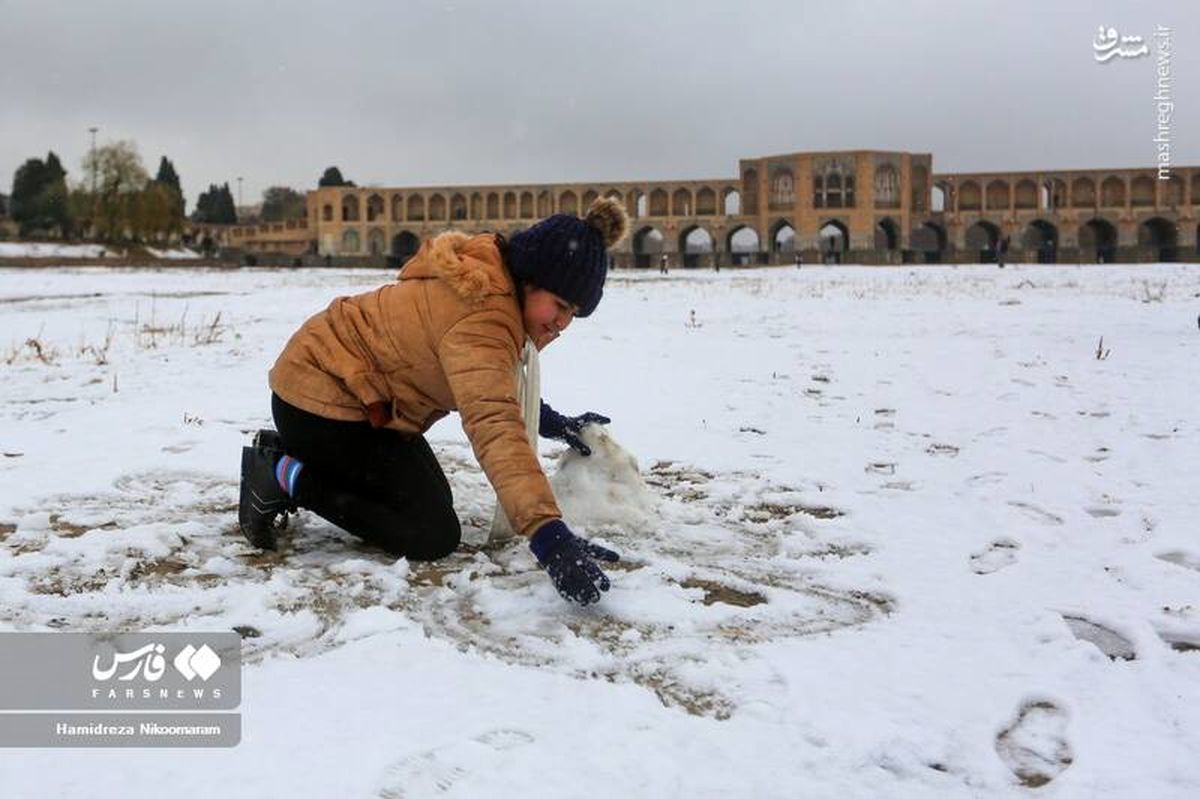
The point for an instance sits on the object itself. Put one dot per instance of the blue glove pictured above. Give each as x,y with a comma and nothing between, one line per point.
571,562
552,424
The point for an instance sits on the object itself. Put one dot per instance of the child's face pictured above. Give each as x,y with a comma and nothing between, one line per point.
546,315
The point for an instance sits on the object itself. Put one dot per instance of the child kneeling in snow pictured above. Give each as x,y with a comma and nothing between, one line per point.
359,383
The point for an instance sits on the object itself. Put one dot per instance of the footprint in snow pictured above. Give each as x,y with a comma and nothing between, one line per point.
1034,512
1180,558
1035,746
438,770
1110,642
1000,553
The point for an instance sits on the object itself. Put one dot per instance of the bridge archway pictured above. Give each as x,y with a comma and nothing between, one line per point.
1098,241
938,201
731,201
783,238
982,238
350,208
695,243
647,246
376,241
374,208
887,234
1112,192
970,198
835,241
1083,193
1141,192
681,203
1160,237
997,195
658,203
1026,197
1041,237
405,246
437,208
929,239
1053,194
416,208
743,245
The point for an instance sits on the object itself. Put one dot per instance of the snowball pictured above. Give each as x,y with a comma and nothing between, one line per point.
604,487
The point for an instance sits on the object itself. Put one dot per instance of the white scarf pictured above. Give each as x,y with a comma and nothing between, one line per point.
529,391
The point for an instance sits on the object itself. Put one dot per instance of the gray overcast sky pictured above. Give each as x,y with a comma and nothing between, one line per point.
420,93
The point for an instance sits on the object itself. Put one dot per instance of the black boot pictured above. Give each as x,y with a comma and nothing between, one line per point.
261,500
268,439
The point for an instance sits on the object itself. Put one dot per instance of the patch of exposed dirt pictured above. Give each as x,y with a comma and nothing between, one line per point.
715,592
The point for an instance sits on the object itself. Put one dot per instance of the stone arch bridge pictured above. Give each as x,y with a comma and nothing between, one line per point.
854,206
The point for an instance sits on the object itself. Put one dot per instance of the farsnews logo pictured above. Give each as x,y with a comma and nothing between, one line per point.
148,661
192,662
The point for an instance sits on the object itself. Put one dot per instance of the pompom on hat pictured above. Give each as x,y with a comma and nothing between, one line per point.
568,255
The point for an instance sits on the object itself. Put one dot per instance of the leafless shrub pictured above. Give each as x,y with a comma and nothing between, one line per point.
99,352
150,333
209,333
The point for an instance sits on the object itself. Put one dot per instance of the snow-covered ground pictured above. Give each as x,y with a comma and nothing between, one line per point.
174,254
909,536
33,249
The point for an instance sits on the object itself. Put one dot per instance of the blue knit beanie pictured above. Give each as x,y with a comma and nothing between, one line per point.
568,255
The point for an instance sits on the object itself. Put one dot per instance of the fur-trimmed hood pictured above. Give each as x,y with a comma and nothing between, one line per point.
471,265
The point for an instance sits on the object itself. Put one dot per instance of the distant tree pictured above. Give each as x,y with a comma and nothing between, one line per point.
168,179
226,209
167,175
27,184
203,205
282,202
39,197
54,198
155,213
333,177
215,206
119,178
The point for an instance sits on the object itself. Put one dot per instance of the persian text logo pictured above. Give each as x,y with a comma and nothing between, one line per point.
148,661
1108,45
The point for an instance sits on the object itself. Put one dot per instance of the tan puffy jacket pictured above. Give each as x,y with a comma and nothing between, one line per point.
446,336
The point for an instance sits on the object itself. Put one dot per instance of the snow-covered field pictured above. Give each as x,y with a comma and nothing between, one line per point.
33,249
909,536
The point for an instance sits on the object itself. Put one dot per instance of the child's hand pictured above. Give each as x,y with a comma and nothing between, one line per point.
553,424
571,562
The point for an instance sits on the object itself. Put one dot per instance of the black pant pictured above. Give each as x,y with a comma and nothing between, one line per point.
381,485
